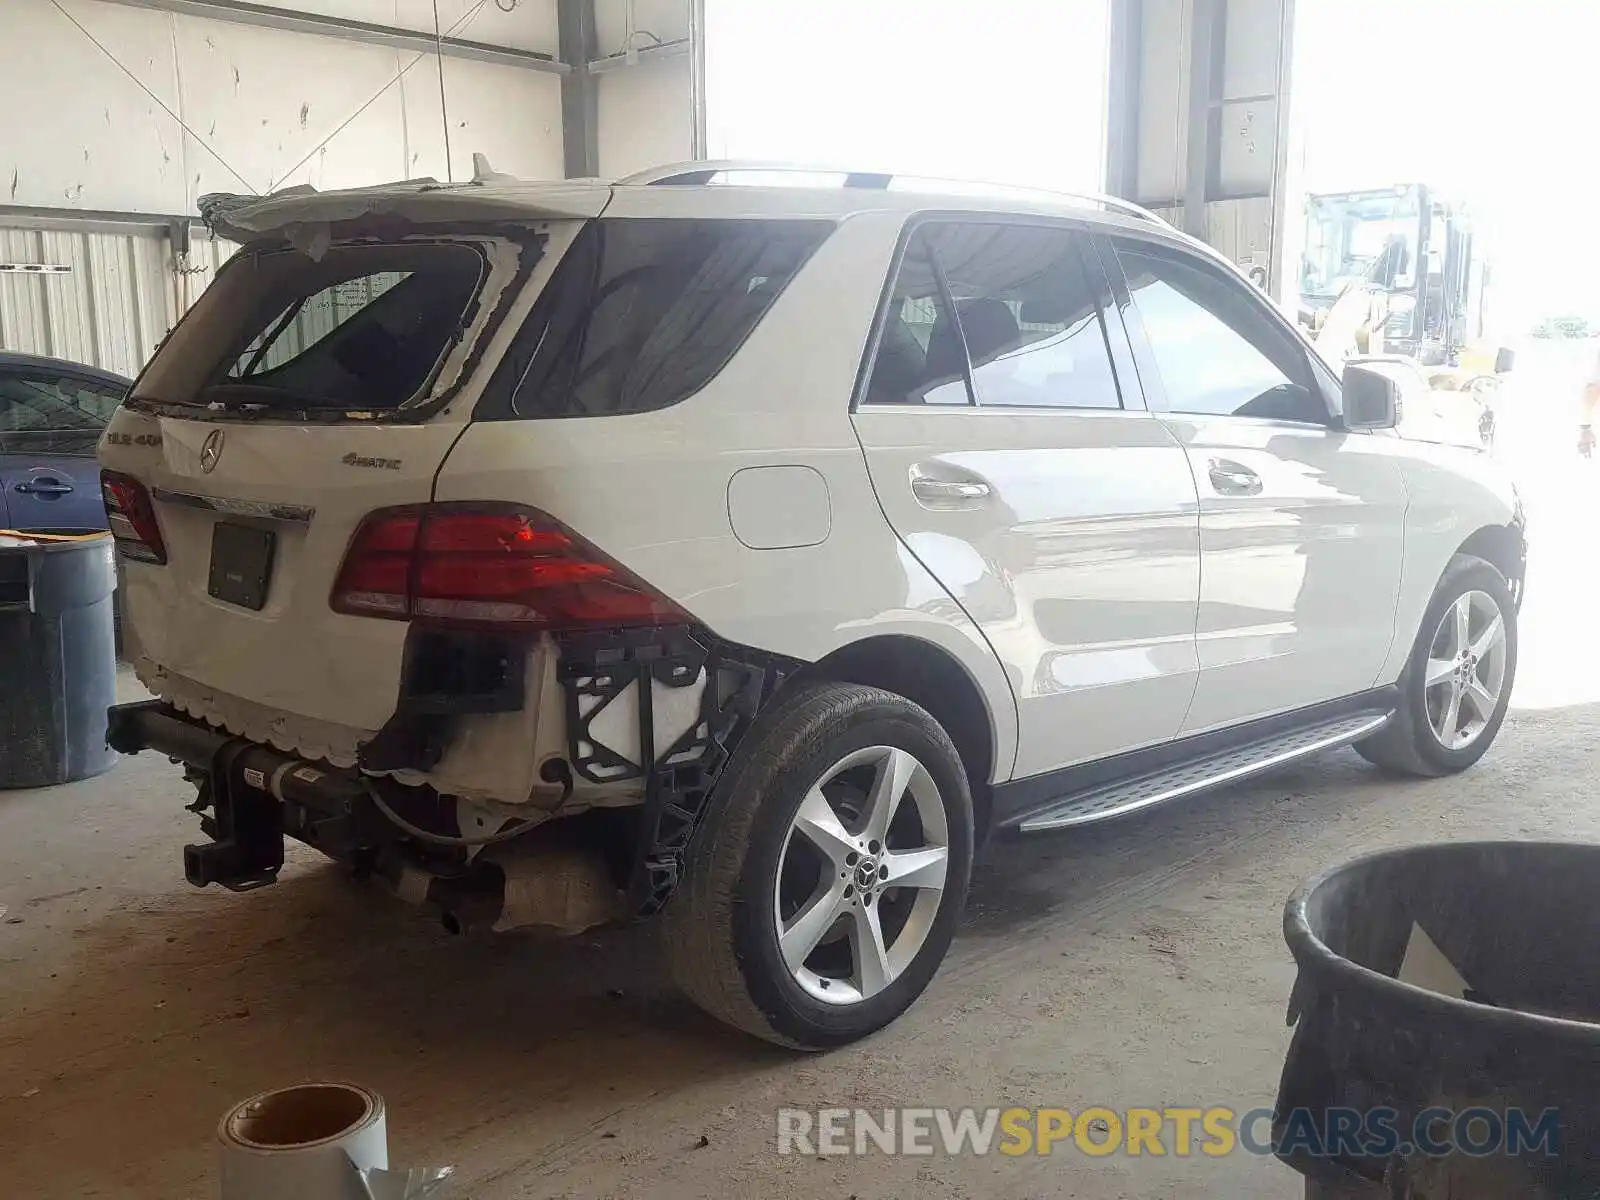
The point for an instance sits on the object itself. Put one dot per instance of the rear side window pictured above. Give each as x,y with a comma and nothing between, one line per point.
1028,325
643,312
365,327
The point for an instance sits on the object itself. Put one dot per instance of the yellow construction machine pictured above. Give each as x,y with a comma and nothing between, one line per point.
1394,272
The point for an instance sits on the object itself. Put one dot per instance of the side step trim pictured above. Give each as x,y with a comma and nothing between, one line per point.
1116,799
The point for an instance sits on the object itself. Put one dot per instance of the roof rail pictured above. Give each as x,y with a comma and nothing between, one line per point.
699,173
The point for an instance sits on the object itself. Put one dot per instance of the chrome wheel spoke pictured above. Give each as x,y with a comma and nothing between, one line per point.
801,935
1449,723
1481,699
1440,670
1462,624
1491,637
821,826
916,868
872,973
894,772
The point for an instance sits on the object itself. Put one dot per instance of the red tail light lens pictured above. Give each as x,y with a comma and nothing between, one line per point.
132,518
489,565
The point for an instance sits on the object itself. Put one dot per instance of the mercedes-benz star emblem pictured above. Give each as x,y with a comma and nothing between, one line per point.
211,452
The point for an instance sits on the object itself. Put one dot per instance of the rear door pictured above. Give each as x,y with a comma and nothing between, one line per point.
1301,521
1018,464
301,394
50,421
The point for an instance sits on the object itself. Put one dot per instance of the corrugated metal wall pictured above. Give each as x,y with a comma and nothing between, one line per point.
318,316
206,256
116,300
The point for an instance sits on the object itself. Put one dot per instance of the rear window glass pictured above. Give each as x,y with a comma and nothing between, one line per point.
643,312
361,328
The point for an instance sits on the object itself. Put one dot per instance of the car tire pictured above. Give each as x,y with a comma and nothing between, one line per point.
736,929
1417,741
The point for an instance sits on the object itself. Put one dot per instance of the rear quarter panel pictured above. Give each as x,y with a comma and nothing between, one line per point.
652,489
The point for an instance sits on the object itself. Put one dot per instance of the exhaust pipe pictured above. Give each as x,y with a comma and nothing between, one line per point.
559,888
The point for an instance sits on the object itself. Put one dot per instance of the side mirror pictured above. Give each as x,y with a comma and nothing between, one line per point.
1371,400
1504,361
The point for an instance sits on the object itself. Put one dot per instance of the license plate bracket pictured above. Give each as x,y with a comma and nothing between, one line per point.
241,564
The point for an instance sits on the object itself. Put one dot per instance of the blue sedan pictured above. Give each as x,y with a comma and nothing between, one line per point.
51,415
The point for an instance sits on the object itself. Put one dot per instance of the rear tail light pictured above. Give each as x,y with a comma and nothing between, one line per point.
132,518
489,565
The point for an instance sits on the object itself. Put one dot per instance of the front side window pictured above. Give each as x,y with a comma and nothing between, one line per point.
1217,353
1028,321
643,312
363,327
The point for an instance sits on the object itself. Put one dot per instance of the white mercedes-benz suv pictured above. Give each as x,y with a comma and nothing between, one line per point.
744,549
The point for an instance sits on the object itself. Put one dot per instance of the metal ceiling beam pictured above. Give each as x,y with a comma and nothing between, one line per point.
577,41
1124,87
698,138
1205,78
262,16
64,220
676,48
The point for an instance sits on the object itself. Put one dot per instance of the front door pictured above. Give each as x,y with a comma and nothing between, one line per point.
1301,521
50,423
1053,508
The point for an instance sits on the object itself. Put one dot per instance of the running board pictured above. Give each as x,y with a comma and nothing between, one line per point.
1208,771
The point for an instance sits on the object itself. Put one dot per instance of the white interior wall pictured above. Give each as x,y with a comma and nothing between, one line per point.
115,108
163,108
646,114
528,25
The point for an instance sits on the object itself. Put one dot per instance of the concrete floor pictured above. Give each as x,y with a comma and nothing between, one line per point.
1136,964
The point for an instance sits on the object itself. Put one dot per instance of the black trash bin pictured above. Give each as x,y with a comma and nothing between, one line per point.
1477,1076
58,667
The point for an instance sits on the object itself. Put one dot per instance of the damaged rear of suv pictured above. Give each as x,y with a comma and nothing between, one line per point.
465,534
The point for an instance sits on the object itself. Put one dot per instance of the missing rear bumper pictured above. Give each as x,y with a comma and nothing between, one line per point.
596,670
250,795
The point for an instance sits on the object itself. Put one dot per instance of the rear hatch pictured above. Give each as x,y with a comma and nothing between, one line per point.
325,373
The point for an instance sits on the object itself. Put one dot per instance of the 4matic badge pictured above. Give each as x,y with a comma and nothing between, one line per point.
358,460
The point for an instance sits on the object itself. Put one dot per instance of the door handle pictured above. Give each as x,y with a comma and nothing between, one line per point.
48,488
1234,479
948,491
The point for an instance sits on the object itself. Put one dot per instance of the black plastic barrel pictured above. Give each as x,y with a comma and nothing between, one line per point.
58,667
1494,1092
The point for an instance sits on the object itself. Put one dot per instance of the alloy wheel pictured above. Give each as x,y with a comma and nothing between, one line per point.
1466,670
861,875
